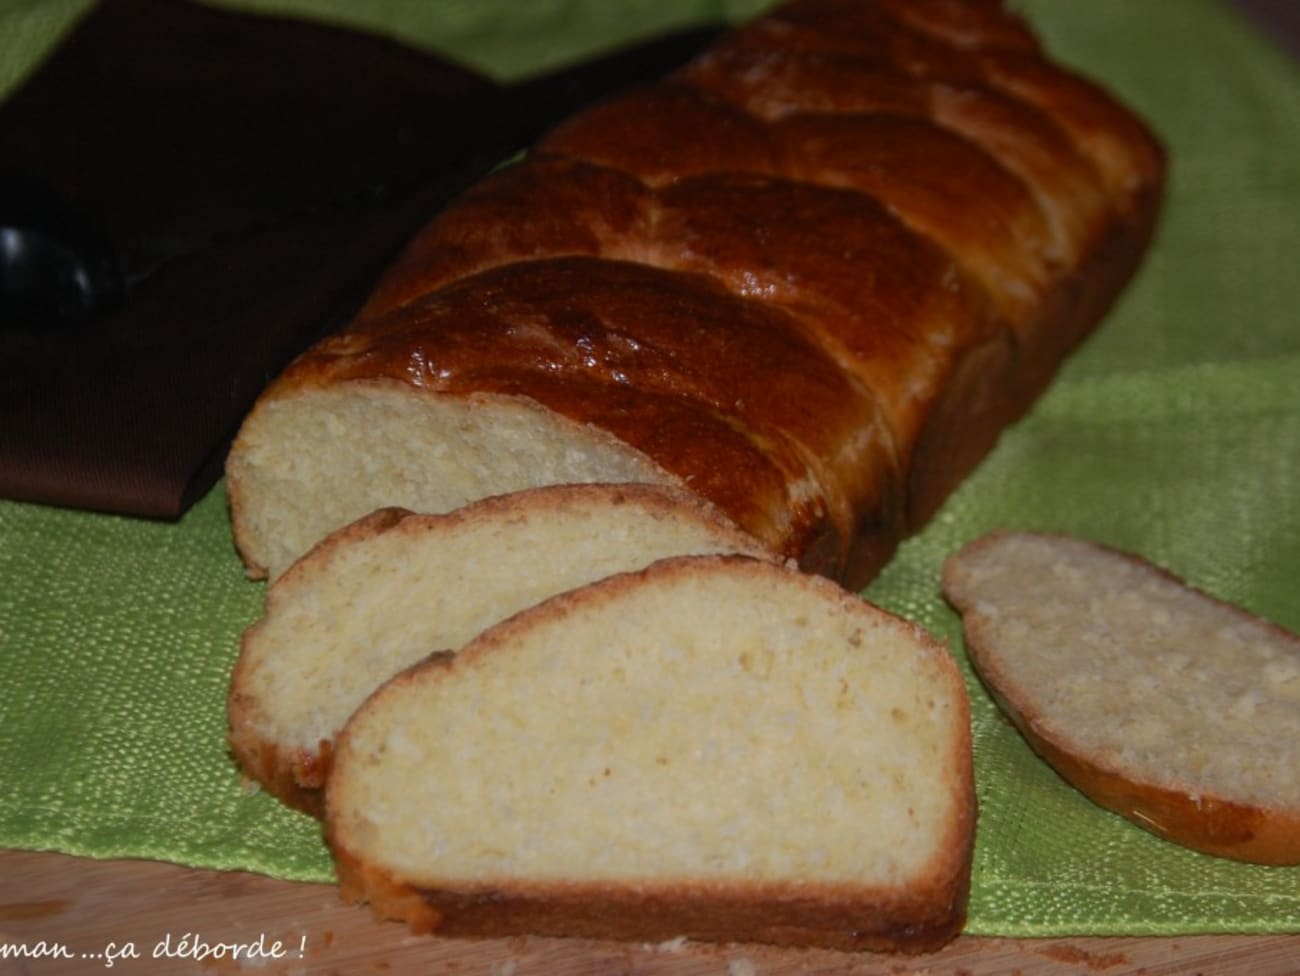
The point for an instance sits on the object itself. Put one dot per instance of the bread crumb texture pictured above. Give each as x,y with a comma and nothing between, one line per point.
1117,660
322,458
370,602
710,718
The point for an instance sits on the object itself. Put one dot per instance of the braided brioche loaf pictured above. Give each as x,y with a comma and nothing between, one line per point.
809,277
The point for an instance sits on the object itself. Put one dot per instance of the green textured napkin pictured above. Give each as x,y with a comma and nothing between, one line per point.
1174,432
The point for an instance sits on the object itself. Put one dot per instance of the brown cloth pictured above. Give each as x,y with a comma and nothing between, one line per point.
253,176
165,122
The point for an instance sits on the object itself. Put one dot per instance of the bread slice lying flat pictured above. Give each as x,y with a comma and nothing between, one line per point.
1159,702
393,587
713,747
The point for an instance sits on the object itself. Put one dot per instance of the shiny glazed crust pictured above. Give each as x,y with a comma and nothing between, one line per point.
811,276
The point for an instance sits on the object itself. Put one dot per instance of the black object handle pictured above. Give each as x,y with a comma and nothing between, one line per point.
57,270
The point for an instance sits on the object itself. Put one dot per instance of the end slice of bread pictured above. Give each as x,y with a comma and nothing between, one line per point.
1173,708
386,591
714,748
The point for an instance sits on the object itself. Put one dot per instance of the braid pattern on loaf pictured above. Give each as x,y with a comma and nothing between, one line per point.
869,226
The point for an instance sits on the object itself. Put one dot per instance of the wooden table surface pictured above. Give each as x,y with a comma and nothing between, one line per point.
65,916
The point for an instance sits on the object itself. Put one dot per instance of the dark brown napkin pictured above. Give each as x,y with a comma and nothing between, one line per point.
253,176
176,129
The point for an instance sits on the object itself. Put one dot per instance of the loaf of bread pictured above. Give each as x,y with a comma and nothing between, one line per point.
1159,702
714,747
809,277
383,593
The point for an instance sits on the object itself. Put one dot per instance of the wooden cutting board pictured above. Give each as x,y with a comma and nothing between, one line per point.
70,916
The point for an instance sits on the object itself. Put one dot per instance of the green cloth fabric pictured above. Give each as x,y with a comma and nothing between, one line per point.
1174,432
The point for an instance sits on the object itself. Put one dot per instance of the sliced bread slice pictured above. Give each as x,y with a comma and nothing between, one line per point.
714,748
1160,702
379,595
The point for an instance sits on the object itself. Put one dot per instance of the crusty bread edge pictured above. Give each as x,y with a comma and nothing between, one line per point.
1205,823
846,920
839,917
962,430
297,776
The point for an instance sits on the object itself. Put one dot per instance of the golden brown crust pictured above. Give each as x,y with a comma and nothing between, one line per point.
802,247
1208,824
541,207
1187,815
813,917
296,779
910,197
917,332
773,84
665,132
781,432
